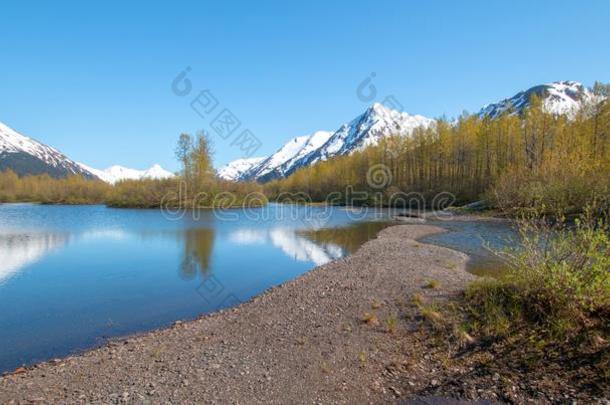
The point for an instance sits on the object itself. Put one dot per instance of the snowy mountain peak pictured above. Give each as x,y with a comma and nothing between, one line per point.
560,98
377,121
234,170
117,173
26,156
283,162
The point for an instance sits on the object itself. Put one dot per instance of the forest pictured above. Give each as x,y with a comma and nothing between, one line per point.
516,162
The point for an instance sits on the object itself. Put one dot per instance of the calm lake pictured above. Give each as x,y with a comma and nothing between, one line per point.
73,276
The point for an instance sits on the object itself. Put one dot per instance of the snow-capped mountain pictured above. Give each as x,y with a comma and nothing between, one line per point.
235,169
564,97
118,173
285,161
26,156
378,121
367,129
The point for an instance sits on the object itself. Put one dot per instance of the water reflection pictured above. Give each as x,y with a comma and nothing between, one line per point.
73,276
318,246
20,250
291,243
349,238
198,245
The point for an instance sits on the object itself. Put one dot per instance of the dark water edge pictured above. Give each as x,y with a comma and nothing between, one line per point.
480,239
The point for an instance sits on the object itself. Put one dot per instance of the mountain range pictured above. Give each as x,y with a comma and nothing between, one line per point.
379,121
26,156
117,173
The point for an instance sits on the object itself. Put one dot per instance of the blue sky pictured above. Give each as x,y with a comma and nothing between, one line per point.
94,79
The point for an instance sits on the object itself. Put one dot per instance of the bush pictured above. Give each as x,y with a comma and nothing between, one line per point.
48,190
566,189
177,192
557,284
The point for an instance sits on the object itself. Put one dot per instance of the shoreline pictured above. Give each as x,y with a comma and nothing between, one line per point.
309,329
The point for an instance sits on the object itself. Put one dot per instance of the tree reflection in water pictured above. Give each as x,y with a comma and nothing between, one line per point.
349,238
198,244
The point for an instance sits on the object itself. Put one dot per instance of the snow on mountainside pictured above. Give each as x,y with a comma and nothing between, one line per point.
378,121
118,173
367,129
285,160
26,156
235,169
565,97
375,123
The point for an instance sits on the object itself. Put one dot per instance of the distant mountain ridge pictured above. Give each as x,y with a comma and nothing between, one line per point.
562,98
236,169
117,173
379,121
367,129
26,156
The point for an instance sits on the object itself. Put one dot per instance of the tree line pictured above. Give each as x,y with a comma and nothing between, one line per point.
530,160
196,186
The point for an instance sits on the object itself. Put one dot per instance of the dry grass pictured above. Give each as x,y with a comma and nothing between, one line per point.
370,319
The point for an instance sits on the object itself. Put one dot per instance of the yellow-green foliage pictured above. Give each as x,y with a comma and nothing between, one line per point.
195,187
148,193
49,190
558,283
519,162
145,193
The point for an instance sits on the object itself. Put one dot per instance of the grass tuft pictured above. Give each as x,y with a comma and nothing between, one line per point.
391,324
370,319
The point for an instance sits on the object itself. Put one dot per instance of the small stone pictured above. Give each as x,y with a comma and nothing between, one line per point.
19,370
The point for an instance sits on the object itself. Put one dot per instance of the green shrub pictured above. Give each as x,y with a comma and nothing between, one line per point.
557,283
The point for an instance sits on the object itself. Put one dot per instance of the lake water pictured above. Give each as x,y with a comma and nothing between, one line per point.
73,276
480,240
